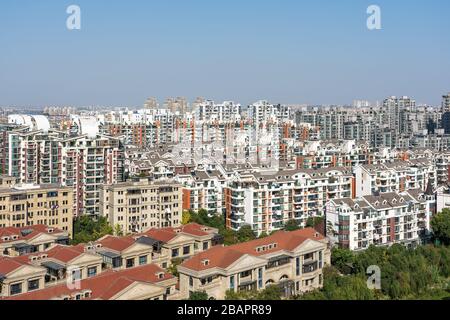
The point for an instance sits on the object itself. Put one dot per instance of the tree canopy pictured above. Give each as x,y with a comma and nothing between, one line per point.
441,226
271,293
218,221
421,273
87,229
198,295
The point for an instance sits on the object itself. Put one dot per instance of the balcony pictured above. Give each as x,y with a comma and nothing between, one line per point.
310,266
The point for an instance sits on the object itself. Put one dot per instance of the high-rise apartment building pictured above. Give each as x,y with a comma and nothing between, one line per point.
82,162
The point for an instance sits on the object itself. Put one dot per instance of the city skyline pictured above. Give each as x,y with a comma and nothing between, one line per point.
301,53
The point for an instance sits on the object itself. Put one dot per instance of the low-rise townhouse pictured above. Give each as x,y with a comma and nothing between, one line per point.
294,261
31,239
39,270
180,243
148,282
18,276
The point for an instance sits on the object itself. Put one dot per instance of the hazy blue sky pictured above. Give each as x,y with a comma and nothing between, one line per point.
316,52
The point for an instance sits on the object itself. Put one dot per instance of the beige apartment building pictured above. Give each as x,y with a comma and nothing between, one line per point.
27,204
138,206
7,181
294,261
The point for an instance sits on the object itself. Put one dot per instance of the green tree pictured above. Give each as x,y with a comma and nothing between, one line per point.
342,259
245,234
314,222
271,293
118,230
186,219
292,225
173,269
441,226
87,229
198,295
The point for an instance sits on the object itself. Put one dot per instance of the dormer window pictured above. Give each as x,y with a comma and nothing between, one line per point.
14,237
5,238
205,262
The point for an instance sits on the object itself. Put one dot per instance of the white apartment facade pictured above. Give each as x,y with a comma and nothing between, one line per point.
382,220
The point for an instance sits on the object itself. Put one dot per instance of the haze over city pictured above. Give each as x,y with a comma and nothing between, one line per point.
317,52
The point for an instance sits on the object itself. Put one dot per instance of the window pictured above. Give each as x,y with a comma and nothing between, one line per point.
175,253
191,282
76,275
130,263
205,245
320,260
260,278
33,285
297,266
92,272
232,283
245,274
142,260
16,289
186,250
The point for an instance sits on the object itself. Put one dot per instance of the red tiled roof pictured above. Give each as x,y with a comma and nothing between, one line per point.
36,229
8,265
217,256
161,235
223,257
117,243
103,286
167,234
64,253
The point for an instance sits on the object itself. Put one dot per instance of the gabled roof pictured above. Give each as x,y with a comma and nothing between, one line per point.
117,243
25,233
104,286
166,234
65,253
223,257
8,265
